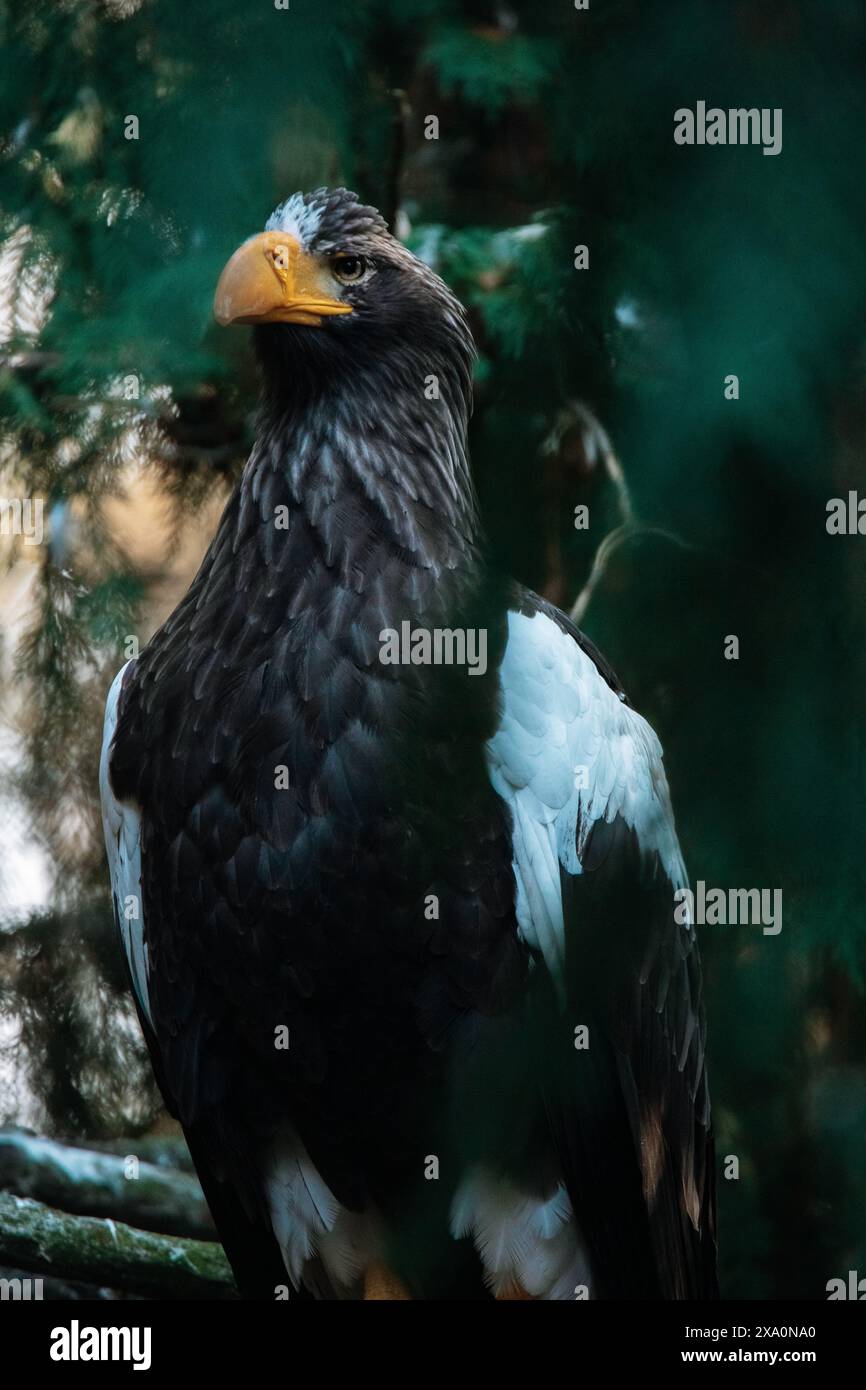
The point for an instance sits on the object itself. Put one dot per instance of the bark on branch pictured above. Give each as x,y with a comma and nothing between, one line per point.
90,1183
45,1241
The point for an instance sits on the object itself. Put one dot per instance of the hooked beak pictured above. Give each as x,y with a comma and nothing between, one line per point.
271,279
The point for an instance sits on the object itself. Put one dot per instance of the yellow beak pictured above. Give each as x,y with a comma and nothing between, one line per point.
271,279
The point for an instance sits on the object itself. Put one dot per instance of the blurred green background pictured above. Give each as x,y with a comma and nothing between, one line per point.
555,129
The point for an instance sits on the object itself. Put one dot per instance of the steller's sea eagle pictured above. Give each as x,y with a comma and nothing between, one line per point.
392,857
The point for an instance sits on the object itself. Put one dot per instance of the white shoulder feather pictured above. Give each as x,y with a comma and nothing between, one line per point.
121,823
567,754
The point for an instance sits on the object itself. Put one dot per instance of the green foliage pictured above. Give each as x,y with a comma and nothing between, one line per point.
489,67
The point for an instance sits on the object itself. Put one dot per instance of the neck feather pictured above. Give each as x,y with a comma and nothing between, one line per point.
393,438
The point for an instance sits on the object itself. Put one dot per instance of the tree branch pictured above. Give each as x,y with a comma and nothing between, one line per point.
88,1183
45,1241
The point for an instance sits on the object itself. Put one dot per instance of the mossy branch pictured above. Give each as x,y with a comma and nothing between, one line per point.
43,1240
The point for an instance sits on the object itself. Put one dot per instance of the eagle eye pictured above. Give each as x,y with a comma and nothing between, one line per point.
349,269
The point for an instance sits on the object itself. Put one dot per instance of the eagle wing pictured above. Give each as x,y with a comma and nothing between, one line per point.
249,1244
597,864
121,825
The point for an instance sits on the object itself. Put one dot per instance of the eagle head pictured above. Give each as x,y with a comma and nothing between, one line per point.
327,286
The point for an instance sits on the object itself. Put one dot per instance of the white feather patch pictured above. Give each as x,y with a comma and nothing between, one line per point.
121,824
567,754
296,218
309,1223
524,1242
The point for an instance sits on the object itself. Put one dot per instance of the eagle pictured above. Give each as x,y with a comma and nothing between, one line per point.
401,918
